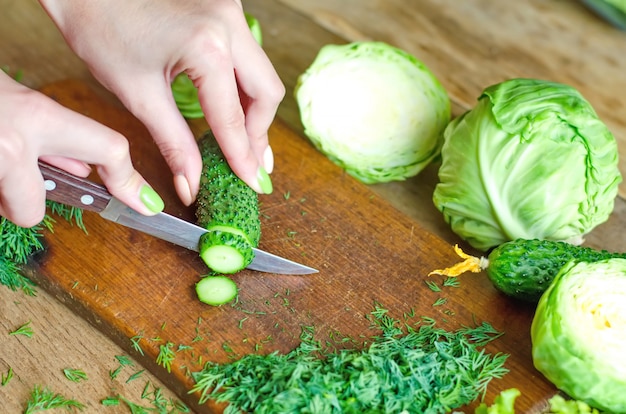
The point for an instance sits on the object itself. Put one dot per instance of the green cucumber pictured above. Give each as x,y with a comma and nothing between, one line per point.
524,269
229,209
216,290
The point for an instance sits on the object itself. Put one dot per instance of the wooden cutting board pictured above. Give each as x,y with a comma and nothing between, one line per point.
130,285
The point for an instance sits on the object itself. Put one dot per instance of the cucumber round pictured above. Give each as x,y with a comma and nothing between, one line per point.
225,252
216,290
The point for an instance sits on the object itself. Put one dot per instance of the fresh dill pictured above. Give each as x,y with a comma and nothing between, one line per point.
136,375
24,330
451,282
44,399
166,356
440,302
6,377
114,373
12,277
17,244
155,398
433,286
123,361
75,375
135,343
404,369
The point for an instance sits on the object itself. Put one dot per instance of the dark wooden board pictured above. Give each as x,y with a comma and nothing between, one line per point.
129,284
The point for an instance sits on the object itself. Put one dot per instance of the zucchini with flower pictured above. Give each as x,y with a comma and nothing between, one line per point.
531,160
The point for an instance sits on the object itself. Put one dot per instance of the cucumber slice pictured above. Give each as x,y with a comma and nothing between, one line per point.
216,290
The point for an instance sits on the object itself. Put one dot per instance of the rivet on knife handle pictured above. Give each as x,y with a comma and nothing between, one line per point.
66,188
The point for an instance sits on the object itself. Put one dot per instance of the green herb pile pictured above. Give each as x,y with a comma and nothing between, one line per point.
17,244
411,370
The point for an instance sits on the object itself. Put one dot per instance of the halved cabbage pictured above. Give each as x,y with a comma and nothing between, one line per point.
579,333
373,109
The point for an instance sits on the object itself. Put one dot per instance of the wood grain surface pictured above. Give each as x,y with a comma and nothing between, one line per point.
130,284
468,45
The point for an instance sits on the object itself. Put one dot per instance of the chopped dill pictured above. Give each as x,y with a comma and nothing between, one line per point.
433,286
12,277
75,375
24,330
114,373
241,321
135,343
6,377
157,402
440,302
124,360
136,375
17,244
426,369
166,356
43,399
182,347
451,282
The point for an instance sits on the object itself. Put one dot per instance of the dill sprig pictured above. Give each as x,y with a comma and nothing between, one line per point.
17,244
25,330
166,356
12,277
43,399
75,375
415,370
4,380
154,395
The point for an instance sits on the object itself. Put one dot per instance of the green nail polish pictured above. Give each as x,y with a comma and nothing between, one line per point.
264,180
151,199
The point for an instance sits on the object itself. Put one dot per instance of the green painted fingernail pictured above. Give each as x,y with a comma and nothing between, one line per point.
151,199
264,180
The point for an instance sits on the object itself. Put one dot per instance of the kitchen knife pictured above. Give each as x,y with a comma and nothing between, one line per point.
68,189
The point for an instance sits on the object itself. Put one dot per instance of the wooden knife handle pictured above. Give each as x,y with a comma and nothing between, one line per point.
68,189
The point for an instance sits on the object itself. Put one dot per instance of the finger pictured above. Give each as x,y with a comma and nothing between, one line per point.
26,205
90,142
150,100
261,92
219,97
71,165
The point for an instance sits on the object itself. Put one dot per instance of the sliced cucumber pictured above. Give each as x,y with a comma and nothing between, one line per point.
216,290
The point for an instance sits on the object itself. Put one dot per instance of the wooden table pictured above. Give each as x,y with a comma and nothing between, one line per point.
468,45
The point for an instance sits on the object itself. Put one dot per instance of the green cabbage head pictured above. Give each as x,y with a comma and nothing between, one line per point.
373,109
579,331
530,160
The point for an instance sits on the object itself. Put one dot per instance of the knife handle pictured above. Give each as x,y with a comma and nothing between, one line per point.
71,190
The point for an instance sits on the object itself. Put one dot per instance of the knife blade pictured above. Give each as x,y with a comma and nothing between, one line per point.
68,189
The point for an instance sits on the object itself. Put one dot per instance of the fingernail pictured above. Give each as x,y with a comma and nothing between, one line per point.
151,199
264,180
183,188
268,159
